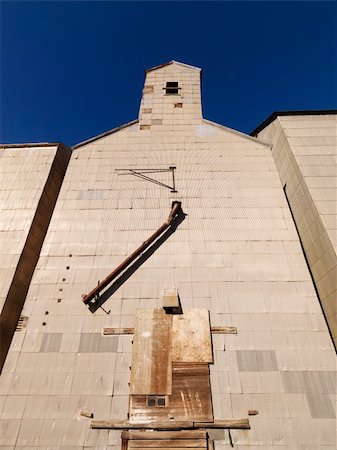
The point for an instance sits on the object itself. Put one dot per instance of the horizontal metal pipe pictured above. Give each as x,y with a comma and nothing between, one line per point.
176,207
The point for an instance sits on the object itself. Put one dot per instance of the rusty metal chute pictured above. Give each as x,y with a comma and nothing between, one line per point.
94,294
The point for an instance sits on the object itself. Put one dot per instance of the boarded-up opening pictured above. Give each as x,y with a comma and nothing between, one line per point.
151,369
190,399
191,337
196,439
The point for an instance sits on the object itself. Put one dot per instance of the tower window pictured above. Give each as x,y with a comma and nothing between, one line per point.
172,88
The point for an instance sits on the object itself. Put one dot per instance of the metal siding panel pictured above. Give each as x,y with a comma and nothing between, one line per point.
320,406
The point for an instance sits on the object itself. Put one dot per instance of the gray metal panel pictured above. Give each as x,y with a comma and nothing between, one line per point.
51,342
320,406
107,344
309,382
96,343
256,360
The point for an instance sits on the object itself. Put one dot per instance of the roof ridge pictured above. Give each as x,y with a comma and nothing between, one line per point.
172,62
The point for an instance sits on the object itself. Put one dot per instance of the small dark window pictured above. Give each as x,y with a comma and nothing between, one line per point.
161,400
156,400
151,400
172,88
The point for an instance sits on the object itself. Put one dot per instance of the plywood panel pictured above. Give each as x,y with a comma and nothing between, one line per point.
151,371
191,393
190,399
191,337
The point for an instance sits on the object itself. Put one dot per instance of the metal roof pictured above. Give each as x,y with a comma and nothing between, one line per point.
275,114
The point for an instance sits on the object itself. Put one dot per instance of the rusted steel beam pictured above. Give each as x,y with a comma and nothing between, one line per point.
176,209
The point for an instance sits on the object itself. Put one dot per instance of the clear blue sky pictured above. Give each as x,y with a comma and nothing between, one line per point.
72,70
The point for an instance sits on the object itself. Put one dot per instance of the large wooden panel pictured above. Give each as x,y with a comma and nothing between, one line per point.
151,370
191,394
190,399
191,337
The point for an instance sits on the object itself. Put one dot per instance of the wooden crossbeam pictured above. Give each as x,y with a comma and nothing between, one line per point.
168,444
224,423
125,425
117,331
112,331
224,330
170,425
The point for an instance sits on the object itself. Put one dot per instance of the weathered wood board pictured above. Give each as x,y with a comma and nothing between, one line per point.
171,448
224,424
191,394
113,424
108,331
168,443
183,434
190,399
224,330
110,424
151,369
139,412
186,439
191,337
111,331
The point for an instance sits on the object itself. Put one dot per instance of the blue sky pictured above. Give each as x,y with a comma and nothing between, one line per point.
72,70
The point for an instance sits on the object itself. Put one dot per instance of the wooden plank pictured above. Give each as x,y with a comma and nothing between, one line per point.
191,397
172,425
183,434
171,448
224,423
151,369
191,337
108,331
224,330
125,425
164,443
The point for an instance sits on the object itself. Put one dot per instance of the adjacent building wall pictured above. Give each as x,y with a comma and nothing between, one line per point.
31,177
305,153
